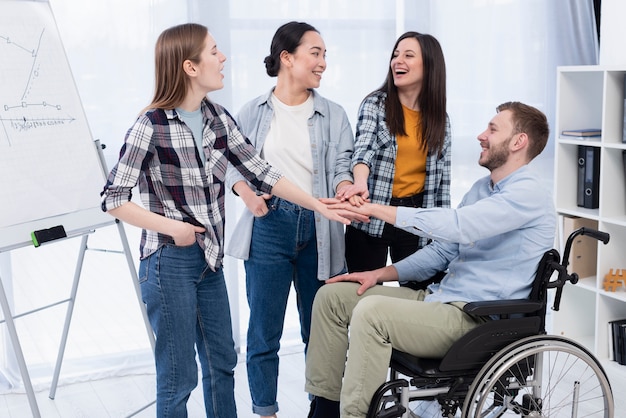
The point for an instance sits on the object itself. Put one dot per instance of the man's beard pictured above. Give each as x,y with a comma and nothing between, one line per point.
498,155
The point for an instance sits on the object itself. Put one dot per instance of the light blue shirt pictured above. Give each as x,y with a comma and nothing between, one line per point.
194,121
491,244
332,143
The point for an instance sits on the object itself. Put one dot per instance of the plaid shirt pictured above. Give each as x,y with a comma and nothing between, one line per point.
160,155
376,147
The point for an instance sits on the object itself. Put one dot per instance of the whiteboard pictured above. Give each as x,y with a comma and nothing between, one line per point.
50,170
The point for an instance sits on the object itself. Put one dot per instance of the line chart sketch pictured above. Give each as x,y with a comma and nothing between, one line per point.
48,161
25,106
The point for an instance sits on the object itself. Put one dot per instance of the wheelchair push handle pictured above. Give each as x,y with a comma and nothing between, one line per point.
563,275
593,233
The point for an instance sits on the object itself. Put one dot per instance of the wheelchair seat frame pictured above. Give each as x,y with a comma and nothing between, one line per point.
507,366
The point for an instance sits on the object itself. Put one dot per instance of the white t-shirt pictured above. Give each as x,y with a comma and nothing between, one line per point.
288,146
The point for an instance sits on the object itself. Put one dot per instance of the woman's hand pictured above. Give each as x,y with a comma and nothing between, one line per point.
186,234
336,210
257,204
354,193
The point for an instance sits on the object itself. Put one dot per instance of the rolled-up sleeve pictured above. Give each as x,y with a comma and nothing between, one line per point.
125,174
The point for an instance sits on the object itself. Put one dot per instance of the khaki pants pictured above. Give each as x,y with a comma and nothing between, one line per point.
382,318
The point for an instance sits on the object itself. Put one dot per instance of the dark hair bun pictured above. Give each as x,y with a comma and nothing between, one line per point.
270,66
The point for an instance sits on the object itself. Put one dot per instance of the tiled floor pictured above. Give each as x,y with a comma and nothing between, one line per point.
124,396
107,368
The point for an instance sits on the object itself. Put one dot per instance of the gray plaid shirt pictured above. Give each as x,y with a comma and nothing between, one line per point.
160,155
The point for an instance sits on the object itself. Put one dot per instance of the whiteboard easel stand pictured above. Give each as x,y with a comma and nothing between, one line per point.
72,299
9,318
17,348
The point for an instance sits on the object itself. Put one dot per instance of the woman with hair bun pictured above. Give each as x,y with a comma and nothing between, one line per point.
308,138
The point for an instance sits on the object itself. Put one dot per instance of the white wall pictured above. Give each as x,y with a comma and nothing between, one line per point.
613,32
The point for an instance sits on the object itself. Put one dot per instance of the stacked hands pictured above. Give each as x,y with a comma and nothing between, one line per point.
351,202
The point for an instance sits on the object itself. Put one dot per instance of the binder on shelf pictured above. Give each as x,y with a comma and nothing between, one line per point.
621,340
617,335
624,121
588,195
624,163
610,340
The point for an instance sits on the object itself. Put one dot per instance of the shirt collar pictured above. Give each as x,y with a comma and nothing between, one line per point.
500,185
318,106
205,108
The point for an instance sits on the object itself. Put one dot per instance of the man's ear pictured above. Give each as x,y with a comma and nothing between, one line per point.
189,68
520,141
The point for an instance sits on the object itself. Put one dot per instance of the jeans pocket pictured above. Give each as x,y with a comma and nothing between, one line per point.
271,207
144,267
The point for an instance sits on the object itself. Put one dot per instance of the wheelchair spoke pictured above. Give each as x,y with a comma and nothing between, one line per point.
541,377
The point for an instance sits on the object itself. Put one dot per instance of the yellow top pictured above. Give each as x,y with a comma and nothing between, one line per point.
410,173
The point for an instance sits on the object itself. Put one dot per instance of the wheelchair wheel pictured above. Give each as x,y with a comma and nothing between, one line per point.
540,376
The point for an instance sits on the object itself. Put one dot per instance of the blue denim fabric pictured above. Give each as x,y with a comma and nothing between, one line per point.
283,251
187,305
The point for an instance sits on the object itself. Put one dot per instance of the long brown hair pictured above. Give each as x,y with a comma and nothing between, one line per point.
173,47
431,99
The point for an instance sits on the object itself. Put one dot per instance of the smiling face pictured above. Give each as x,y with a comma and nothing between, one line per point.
308,61
406,64
495,141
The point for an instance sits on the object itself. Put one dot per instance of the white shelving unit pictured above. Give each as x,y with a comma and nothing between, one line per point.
593,97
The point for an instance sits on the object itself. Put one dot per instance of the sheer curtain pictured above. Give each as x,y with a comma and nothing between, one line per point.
496,50
501,50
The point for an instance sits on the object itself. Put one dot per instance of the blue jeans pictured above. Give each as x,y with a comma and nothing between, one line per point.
188,306
283,250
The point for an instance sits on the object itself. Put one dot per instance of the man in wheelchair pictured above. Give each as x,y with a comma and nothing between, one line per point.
490,247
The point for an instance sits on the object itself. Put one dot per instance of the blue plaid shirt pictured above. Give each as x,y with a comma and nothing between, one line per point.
160,155
376,147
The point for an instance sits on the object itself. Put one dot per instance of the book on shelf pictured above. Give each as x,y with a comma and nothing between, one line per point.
588,133
617,340
624,125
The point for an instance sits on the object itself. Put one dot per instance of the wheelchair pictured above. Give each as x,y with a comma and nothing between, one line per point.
507,366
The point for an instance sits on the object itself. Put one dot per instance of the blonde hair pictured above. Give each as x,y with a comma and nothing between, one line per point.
173,47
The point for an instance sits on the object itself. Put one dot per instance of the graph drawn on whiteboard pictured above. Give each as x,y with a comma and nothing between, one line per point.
48,162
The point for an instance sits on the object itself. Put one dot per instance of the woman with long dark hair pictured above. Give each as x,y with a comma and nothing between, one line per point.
402,150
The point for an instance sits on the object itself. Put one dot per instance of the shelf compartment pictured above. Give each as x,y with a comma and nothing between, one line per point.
567,180
613,117
612,184
580,97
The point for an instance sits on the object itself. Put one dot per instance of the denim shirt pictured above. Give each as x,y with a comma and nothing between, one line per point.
491,244
376,147
332,144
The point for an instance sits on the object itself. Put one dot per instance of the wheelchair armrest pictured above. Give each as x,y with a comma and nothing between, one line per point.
502,307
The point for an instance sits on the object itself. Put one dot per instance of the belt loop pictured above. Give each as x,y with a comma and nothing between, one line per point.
274,202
